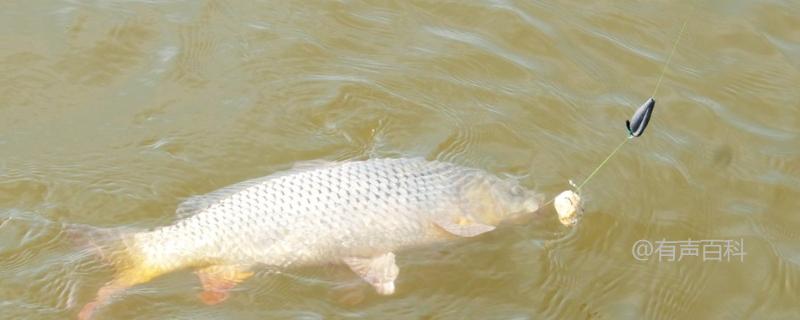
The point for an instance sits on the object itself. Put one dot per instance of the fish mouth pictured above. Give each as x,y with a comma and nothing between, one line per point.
531,205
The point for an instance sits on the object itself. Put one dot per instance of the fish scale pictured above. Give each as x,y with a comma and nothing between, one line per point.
355,203
354,212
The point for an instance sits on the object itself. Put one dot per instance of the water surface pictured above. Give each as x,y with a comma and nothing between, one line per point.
113,112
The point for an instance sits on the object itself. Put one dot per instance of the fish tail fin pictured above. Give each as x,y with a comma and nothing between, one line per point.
113,248
123,280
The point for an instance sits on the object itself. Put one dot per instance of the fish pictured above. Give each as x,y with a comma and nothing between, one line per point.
355,213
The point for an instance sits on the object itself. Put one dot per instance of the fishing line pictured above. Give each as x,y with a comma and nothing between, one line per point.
669,58
658,84
603,163
632,133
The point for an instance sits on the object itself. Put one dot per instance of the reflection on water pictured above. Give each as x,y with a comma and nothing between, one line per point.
115,111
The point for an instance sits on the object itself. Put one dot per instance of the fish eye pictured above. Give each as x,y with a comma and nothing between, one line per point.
517,190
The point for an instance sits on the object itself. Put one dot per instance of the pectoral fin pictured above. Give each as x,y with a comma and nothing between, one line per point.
379,271
464,227
218,280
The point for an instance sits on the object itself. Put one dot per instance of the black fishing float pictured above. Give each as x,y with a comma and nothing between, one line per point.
641,118
568,203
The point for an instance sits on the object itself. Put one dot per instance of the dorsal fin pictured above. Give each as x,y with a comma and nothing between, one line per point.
195,204
311,164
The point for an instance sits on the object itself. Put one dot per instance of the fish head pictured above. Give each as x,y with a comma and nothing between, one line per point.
499,201
517,202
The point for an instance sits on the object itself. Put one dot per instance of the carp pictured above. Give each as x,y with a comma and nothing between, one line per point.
357,213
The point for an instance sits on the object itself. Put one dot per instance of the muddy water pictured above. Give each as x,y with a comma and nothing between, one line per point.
112,112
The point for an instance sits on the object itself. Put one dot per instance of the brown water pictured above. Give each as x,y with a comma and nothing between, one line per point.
113,112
